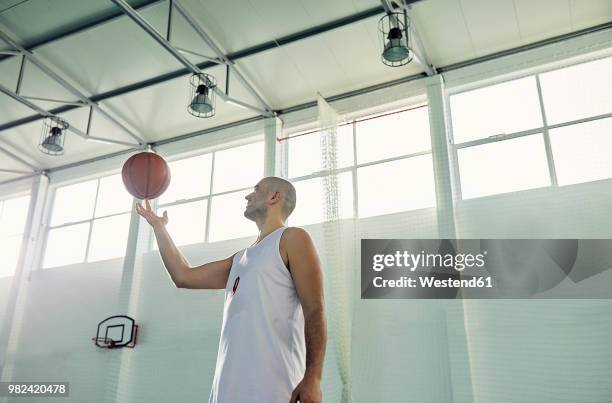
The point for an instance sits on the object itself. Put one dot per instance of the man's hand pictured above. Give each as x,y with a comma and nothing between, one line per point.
152,218
307,391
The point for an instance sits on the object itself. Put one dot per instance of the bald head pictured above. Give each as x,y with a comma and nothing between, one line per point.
276,184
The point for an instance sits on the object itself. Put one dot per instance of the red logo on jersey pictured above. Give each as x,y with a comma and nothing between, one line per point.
235,285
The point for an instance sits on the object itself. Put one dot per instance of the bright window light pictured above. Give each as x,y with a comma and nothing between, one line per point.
74,203
109,237
508,107
305,151
189,178
577,92
112,197
238,167
186,222
582,152
66,245
393,135
13,215
227,220
10,247
412,186
309,206
504,166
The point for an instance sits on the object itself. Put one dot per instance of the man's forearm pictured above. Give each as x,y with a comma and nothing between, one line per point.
315,332
172,257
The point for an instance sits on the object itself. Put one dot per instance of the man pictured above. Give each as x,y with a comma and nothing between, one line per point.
273,334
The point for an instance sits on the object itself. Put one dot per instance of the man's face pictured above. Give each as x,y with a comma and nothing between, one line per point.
256,201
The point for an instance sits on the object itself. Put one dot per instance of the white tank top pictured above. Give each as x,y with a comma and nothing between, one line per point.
262,353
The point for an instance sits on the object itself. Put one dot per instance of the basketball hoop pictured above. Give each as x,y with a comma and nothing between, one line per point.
104,342
116,332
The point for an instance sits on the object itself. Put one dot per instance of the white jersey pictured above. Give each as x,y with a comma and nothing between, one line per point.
262,352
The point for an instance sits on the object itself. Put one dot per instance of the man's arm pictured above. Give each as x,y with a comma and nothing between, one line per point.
308,279
211,275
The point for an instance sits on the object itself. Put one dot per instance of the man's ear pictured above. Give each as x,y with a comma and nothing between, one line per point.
276,197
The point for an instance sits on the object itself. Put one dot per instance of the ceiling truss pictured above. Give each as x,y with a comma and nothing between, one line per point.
264,109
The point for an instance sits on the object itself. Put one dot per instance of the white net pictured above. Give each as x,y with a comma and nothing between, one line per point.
337,270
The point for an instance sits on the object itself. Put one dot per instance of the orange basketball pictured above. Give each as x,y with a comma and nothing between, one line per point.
146,175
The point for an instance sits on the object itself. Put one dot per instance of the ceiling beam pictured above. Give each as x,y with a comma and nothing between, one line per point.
74,30
69,87
221,55
253,50
149,29
44,113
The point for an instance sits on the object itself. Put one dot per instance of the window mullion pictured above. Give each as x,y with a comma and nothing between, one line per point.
91,221
547,145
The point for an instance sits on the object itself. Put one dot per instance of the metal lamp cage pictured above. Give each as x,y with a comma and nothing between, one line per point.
396,43
202,97
53,136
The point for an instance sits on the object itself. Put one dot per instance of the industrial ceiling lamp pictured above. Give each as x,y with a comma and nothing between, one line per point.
202,95
53,136
396,42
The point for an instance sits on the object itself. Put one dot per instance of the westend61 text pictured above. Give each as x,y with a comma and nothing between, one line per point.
432,282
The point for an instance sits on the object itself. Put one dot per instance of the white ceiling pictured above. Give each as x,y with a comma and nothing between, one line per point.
119,53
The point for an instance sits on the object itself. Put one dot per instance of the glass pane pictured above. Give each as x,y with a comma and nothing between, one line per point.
239,167
109,237
505,166
305,151
186,222
189,178
578,92
309,207
227,220
74,203
414,187
393,135
508,107
582,152
112,196
13,215
9,250
66,245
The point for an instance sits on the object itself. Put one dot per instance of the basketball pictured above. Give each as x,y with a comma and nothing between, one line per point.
146,175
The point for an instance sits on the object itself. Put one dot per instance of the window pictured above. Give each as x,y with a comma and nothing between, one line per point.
371,150
577,92
582,152
412,187
186,222
508,107
90,222
190,177
238,167
507,131
305,151
236,170
508,166
393,134
228,220
309,207
13,217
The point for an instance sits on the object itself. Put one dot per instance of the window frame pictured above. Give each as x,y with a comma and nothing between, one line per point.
544,130
355,166
47,227
208,197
